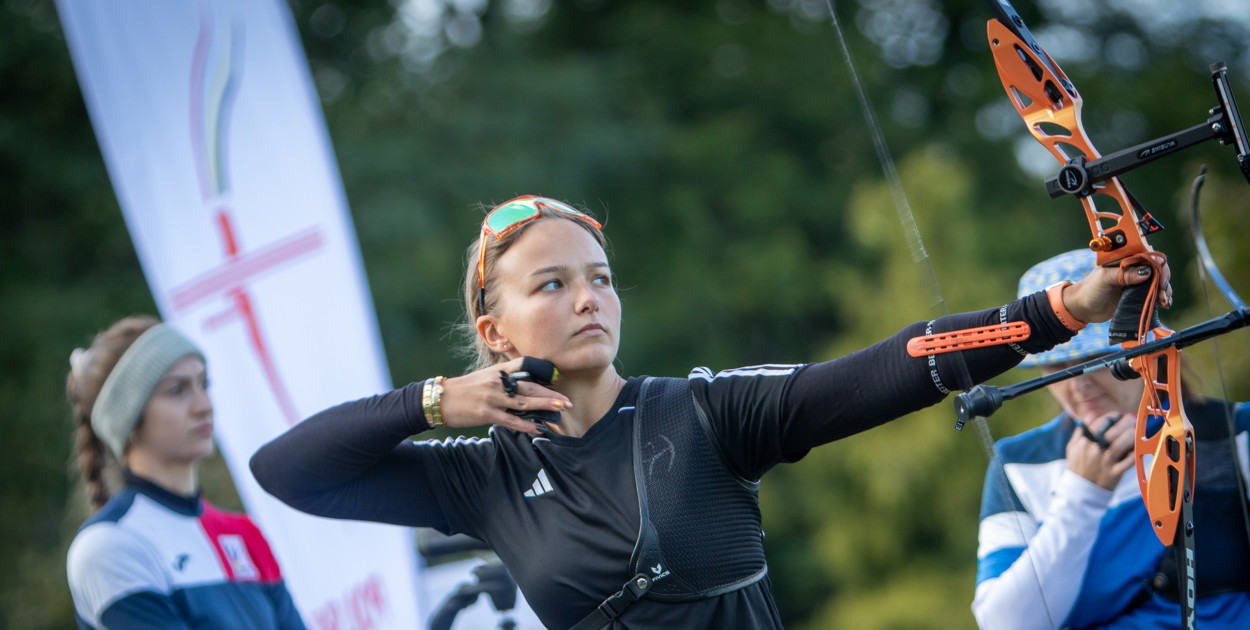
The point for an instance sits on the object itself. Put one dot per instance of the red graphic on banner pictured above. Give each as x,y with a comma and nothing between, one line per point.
361,608
230,281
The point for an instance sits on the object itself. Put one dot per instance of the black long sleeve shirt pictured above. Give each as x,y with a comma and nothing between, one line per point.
562,512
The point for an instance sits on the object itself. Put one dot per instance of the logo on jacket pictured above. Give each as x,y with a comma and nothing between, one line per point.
181,561
658,573
235,550
541,485
654,453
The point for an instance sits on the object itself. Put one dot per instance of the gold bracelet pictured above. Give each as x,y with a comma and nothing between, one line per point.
431,401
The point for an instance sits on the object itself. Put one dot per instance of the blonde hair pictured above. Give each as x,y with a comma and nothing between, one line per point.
480,355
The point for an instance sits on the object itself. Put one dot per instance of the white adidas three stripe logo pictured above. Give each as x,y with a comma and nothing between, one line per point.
541,485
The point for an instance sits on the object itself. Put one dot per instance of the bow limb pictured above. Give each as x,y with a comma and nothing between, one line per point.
1209,268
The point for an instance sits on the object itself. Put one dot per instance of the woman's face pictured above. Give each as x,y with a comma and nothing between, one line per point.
177,423
1093,395
556,299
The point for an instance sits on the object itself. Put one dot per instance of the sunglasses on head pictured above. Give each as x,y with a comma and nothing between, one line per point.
510,215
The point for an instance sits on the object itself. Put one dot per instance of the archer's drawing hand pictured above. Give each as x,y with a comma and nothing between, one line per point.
479,399
1088,457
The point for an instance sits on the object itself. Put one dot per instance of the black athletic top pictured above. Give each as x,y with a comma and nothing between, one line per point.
562,512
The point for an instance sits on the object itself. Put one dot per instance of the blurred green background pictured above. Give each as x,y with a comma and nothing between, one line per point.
724,146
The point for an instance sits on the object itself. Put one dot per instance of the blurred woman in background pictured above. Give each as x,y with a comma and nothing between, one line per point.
157,555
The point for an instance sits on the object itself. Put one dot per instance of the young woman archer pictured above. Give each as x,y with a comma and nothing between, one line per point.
632,502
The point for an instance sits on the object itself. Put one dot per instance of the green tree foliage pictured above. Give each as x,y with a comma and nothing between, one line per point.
724,145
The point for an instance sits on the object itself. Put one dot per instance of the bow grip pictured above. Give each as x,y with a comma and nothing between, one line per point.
1126,322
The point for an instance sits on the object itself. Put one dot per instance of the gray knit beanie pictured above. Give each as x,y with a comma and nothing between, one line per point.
126,390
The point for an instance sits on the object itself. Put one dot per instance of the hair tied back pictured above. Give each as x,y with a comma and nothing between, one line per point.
78,360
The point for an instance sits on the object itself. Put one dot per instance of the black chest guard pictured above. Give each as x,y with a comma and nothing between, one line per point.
700,532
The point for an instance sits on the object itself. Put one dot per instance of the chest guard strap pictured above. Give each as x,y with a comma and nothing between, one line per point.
700,534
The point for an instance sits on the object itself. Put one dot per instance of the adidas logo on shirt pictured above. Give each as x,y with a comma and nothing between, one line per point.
541,485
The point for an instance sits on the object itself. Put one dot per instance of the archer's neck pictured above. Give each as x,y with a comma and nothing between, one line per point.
177,477
592,395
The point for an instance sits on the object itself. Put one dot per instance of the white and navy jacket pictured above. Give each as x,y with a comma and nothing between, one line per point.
153,559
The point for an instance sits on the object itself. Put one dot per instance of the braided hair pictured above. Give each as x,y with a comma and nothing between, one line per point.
88,370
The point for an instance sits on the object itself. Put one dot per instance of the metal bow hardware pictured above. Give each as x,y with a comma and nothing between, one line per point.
1051,107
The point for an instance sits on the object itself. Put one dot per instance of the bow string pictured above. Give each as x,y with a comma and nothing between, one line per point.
920,256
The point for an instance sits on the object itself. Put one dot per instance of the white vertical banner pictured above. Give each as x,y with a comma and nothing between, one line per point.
214,139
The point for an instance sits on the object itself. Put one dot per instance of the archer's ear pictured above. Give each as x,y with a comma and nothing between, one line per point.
488,330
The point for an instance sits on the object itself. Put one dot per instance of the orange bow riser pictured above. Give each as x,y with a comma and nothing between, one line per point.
1051,107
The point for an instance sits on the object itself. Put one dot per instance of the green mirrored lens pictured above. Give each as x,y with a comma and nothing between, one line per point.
557,205
503,217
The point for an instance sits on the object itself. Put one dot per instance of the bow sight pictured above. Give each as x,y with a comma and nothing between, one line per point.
1078,177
